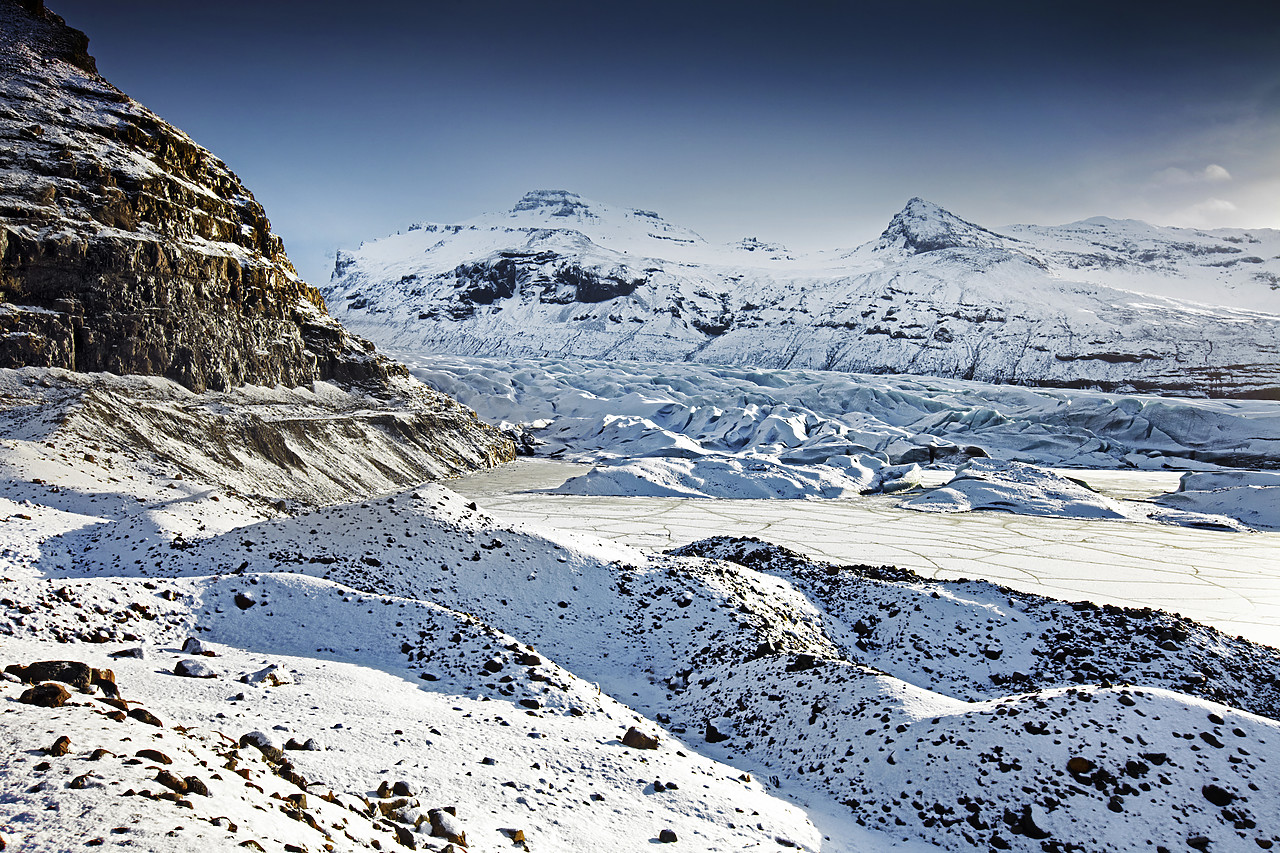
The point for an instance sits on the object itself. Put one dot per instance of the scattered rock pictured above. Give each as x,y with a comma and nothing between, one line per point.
636,739
444,824
190,668
1220,797
49,695
714,735
194,646
1079,766
142,715
272,676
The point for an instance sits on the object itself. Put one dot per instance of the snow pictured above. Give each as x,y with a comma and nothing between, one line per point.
1251,496
494,668
1118,305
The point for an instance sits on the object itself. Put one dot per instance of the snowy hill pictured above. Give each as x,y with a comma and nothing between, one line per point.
1098,303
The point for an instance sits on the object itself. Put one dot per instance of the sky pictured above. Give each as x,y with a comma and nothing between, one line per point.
806,123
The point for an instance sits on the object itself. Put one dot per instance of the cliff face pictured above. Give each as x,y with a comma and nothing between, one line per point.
126,247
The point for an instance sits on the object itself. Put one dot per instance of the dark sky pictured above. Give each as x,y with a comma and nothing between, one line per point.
804,123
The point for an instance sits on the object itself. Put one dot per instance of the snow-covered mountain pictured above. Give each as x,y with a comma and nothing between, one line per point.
1100,303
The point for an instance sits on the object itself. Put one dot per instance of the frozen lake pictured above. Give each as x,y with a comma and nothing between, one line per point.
1228,580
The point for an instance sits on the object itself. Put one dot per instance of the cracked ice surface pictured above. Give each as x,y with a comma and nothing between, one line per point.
1228,580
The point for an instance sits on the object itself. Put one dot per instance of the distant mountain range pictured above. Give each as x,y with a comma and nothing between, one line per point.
1112,304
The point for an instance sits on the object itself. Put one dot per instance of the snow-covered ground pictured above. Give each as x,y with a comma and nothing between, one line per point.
495,668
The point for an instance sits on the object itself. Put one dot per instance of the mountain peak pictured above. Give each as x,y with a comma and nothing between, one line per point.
922,226
554,203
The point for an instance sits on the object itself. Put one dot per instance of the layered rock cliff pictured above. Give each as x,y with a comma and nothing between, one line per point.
126,247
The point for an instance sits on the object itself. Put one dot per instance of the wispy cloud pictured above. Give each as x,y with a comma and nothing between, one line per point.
1176,175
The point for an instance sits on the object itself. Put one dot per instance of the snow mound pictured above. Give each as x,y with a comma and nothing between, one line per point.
1018,488
1252,497
750,477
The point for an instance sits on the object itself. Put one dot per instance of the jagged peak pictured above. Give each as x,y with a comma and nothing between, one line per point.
922,226
554,203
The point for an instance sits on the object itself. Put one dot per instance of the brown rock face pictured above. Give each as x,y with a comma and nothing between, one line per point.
126,247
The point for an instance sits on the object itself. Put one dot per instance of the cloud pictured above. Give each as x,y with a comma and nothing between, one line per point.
1175,175
1214,172
1208,213
1213,205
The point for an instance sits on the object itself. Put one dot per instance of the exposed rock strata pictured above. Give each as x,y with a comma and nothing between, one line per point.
126,247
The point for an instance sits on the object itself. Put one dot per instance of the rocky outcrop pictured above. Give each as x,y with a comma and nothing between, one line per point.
126,247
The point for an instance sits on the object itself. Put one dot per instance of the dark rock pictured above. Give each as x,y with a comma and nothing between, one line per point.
636,739
49,695
80,782
714,735
1220,797
667,836
79,675
194,646
61,746
136,652
154,755
403,789
244,602
144,716
1078,765
172,782
801,663
444,824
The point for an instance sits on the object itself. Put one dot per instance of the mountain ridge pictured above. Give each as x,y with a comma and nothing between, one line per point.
1112,305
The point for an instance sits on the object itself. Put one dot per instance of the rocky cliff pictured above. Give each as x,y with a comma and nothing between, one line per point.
126,247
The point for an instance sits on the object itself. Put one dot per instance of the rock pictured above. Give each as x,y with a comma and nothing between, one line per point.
79,675
49,695
194,646
667,836
404,836
80,782
243,601
61,746
714,735
190,668
1078,766
801,663
271,675
445,824
516,835
1220,797
264,743
136,652
169,780
527,659
404,789
142,715
636,739
154,755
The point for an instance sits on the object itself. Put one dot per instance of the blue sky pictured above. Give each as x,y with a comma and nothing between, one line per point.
804,123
